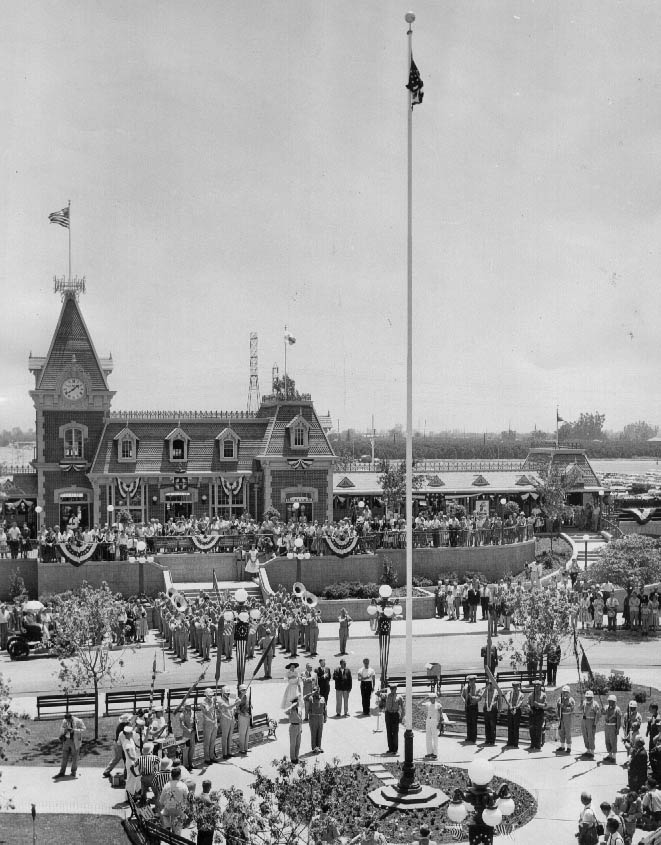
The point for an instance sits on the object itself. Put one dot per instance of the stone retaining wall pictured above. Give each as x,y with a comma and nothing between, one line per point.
122,576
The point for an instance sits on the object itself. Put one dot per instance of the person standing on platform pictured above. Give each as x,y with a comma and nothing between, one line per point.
243,709
471,698
490,711
612,725
394,710
343,684
316,707
345,621
208,708
515,699
226,721
591,713
295,729
323,679
565,707
433,725
537,705
265,643
367,678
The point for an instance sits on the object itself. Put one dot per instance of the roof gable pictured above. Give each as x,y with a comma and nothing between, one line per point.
71,343
177,432
124,432
299,419
228,434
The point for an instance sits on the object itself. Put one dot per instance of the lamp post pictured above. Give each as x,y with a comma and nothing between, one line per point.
300,554
490,807
586,537
38,510
387,608
238,613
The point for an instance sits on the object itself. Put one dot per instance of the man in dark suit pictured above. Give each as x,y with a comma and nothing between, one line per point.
343,682
323,674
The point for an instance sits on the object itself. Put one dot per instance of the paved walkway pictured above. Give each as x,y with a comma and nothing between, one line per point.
556,781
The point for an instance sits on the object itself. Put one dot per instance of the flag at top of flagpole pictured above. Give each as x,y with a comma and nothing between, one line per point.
290,339
558,418
415,85
60,217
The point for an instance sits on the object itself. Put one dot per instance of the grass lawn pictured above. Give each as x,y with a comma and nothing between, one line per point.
42,746
16,829
558,548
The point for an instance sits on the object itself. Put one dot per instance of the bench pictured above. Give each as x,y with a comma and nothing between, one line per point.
118,702
157,835
146,828
78,703
178,694
457,715
416,681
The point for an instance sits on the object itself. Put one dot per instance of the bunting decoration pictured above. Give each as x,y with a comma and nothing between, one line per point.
383,629
231,488
299,463
77,552
641,515
456,831
341,547
203,542
128,491
67,467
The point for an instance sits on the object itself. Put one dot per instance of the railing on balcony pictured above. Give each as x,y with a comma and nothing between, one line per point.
16,469
179,415
437,465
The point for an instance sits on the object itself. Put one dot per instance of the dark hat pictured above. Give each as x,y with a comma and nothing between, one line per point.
291,666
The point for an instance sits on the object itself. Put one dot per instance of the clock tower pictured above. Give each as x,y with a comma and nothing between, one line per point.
72,404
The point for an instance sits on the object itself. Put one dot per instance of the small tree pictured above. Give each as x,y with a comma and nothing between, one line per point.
86,618
10,731
631,560
17,590
553,490
393,484
543,618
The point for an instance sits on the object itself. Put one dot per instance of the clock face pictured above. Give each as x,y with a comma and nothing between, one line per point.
73,388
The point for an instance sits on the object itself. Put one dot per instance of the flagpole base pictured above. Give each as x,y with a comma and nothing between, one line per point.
426,798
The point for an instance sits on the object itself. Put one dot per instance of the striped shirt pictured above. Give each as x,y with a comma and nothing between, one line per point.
148,764
159,781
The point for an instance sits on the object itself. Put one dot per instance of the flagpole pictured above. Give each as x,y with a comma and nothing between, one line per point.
407,782
557,420
69,227
285,341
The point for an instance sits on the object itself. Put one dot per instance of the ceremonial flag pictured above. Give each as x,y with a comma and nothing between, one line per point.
269,647
291,340
558,418
415,85
153,681
215,587
219,648
585,664
60,217
491,677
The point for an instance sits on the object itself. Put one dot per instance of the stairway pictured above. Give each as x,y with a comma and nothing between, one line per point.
594,544
227,588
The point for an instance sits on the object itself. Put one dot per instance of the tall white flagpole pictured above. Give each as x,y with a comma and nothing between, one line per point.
407,781
69,227
286,342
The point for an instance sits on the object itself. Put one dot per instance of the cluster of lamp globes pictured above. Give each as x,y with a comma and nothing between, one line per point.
242,615
140,547
499,806
299,553
389,610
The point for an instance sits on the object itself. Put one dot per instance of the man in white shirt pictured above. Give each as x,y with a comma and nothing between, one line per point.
173,801
367,678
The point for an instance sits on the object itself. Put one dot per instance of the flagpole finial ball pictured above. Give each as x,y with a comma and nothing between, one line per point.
409,17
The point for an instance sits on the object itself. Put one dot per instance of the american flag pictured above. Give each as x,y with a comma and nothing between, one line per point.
60,217
456,831
415,85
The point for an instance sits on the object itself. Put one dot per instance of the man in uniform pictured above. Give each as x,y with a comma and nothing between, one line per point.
226,720
514,704
537,704
264,644
591,712
243,709
309,684
318,714
612,725
185,727
367,678
394,710
208,708
490,710
565,707
295,729
471,698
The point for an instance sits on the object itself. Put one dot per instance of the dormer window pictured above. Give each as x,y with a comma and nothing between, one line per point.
228,445
127,446
299,430
178,441
73,436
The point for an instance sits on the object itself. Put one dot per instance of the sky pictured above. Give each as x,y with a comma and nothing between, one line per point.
240,167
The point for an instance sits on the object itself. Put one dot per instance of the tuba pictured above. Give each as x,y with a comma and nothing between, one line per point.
179,602
299,590
310,599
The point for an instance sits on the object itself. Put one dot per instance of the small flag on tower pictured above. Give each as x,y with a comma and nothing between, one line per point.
290,339
558,418
60,217
415,85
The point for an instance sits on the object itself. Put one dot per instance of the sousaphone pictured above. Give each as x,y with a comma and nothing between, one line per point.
299,590
310,599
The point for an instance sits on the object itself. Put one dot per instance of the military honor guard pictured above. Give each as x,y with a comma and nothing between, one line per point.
537,705
490,711
565,707
590,716
515,700
471,698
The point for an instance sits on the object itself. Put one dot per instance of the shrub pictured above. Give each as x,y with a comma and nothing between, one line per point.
389,574
422,582
619,682
17,589
640,697
599,684
337,591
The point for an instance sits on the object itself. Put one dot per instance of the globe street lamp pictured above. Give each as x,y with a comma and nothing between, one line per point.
300,554
490,807
386,608
238,613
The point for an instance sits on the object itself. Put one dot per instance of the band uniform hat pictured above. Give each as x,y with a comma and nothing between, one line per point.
565,689
208,692
392,686
589,694
612,698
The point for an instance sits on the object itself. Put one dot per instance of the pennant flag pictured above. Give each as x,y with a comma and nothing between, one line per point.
415,85
219,650
60,217
290,339
585,664
215,587
558,418
491,677
269,647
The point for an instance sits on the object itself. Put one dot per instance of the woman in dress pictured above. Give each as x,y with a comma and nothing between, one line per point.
252,563
292,691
